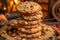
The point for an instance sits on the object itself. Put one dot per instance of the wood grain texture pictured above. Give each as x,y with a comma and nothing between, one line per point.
45,13
45,1
44,6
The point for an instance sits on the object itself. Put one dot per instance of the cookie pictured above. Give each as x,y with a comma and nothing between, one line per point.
31,39
32,30
35,39
28,27
13,21
28,7
28,23
34,35
32,14
48,30
32,18
22,37
21,34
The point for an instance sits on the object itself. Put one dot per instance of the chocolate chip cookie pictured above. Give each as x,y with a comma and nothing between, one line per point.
28,23
31,30
28,7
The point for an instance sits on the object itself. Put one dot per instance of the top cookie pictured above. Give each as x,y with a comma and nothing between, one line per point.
28,7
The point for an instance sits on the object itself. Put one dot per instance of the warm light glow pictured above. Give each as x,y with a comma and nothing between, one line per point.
14,8
4,8
16,1
11,3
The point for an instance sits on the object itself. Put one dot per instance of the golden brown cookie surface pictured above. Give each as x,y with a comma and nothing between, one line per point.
31,30
28,23
28,27
28,7
48,30
34,35
34,17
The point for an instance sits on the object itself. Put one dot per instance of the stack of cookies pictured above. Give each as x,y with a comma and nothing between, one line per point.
28,26
30,18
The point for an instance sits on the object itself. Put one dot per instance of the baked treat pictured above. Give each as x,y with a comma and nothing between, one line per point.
34,17
47,31
34,35
15,23
28,27
20,33
31,30
28,23
48,36
31,39
28,7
